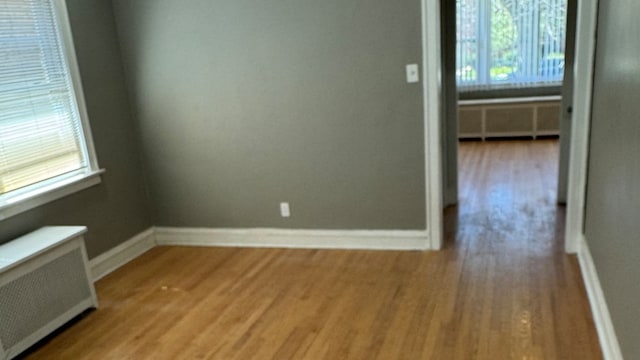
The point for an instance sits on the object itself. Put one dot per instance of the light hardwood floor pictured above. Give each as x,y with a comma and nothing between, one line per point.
501,289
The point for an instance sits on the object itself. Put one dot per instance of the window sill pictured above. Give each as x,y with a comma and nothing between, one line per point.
509,93
38,197
500,101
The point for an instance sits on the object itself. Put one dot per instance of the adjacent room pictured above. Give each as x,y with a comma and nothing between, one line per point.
508,76
507,110
229,179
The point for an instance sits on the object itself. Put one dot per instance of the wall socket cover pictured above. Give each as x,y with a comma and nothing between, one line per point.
413,75
284,209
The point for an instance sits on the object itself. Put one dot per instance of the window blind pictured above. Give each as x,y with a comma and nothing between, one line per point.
510,43
40,127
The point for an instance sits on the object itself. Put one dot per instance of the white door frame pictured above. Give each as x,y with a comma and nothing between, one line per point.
431,90
581,123
579,148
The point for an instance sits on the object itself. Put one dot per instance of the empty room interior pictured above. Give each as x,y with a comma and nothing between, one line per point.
226,179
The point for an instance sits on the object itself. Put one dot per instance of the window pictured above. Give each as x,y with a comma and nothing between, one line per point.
510,43
45,144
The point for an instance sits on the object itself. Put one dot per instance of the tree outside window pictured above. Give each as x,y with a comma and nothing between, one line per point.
510,43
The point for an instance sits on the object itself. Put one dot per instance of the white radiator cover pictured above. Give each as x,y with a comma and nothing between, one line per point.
44,282
530,117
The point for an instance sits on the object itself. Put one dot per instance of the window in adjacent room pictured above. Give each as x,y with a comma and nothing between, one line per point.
505,44
46,149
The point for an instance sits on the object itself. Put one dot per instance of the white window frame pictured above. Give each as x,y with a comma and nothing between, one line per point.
483,80
32,196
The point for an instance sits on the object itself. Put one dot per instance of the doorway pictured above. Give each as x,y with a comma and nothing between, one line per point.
484,112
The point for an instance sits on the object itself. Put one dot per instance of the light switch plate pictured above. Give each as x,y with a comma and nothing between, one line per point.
413,75
285,211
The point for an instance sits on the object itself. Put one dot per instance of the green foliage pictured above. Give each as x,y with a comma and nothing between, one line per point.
525,38
501,71
503,37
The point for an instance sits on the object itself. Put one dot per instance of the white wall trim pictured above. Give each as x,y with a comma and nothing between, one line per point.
45,192
579,148
294,238
111,260
432,89
602,318
66,37
516,100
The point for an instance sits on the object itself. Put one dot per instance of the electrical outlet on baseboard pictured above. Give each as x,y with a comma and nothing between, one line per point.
285,211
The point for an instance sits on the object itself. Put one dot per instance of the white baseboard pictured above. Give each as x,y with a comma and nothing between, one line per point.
602,318
111,260
294,238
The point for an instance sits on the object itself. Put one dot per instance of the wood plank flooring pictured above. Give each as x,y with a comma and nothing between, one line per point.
501,289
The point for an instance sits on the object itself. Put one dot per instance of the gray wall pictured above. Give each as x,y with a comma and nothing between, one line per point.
116,209
613,195
243,104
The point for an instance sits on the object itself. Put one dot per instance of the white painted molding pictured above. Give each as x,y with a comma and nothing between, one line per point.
432,89
580,123
602,318
111,260
294,238
66,37
516,100
30,197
